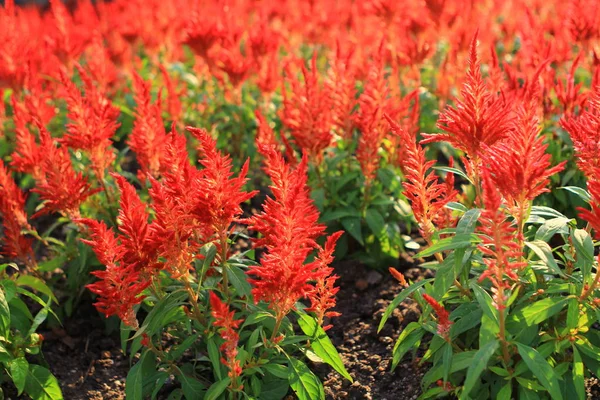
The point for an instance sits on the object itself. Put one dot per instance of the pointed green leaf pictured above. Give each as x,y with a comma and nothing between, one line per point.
42,385
303,382
19,369
216,389
480,361
321,344
403,295
541,369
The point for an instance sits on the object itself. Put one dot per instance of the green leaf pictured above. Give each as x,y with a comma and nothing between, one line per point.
578,374
37,321
303,382
239,280
584,248
36,284
545,212
186,344
375,222
42,385
541,369
134,388
192,387
468,222
544,252
447,360
339,213
485,301
480,361
458,241
4,315
506,392
403,295
454,171
540,311
582,193
216,389
215,357
275,389
409,337
321,344
209,251
550,228
352,226
19,369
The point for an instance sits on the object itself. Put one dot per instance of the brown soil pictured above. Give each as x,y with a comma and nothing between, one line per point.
88,363
363,297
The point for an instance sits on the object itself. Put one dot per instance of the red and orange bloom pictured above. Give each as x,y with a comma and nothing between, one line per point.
443,322
225,320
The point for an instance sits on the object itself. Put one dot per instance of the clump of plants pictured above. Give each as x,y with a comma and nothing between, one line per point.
512,309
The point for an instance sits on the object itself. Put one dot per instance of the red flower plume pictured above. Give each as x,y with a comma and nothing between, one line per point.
480,117
224,319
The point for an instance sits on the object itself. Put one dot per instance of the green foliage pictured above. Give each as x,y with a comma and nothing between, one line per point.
21,361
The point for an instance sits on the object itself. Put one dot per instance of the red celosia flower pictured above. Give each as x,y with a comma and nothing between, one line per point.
399,276
176,231
585,134
173,102
62,189
93,122
225,320
307,111
568,93
27,156
519,165
443,323
222,194
99,64
322,298
369,119
289,229
133,225
148,136
233,63
14,218
480,117
120,285
265,138
342,83
427,195
500,245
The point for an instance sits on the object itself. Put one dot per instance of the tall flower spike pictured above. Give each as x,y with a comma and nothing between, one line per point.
120,285
265,137
14,219
307,111
480,117
499,246
443,323
176,232
93,122
369,119
585,134
222,194
148,137
62,189
519,165
225,320
427,195
322,298
289,229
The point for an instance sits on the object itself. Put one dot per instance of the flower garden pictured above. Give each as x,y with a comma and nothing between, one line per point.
258,199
